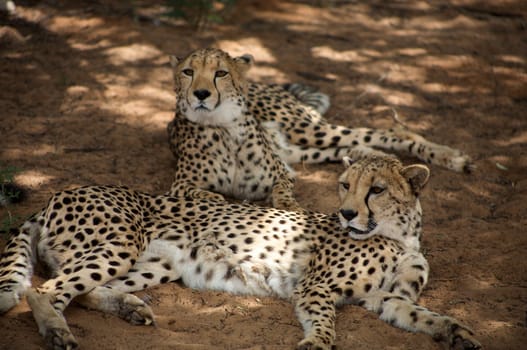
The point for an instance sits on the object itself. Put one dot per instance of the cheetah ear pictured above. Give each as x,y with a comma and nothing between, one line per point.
174,61
243,63
417,176
347,161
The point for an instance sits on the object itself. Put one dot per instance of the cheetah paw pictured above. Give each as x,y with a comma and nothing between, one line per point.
461,163
463,338
215,197
60,339
135,311
289,205
312,344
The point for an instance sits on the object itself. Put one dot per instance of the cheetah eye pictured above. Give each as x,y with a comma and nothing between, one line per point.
376,189
345,185
188,72
221,73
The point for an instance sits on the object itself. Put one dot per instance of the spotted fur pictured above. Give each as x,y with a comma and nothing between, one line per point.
101,243
235,138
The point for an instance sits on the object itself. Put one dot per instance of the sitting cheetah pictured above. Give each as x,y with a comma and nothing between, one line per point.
104,242
237,138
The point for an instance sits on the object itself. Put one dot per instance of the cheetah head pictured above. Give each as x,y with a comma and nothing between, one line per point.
378,195
210,86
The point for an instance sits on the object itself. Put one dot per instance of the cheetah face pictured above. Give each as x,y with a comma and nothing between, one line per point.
210,86
380,196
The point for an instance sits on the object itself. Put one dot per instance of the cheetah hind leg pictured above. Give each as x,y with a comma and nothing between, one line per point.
51,323
442,155
124,305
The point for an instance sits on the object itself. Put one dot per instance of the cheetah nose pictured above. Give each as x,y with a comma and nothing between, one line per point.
348,214
201,94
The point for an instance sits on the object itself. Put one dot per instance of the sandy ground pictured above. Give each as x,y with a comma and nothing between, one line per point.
86,93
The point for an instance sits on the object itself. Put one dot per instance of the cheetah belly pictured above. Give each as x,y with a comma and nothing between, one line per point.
219,269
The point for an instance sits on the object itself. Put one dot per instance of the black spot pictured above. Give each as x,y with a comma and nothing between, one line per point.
147,275
194,253
96,276
415,286
123,255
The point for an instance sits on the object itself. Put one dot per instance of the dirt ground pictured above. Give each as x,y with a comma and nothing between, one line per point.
86,93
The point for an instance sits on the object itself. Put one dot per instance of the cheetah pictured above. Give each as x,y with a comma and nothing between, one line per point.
234,138
104,242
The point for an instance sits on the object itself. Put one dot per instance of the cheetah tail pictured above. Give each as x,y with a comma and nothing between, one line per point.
310,96
16,263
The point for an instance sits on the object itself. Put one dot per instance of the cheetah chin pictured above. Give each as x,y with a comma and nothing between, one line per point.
359,234
224,114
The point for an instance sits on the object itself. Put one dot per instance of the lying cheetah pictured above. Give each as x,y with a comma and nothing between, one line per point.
237,138
102,243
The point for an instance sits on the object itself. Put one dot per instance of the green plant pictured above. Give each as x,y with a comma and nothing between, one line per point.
199,13
7,189
8,193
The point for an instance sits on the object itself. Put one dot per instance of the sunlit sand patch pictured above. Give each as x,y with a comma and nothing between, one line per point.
64,23
251,46
339,56
518,139
267,74
318,177
512,59
132,53
16,153
32,178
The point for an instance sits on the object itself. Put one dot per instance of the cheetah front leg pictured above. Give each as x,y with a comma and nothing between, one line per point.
397,305
186,189
282,195
401,312
316,310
